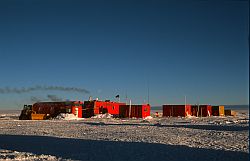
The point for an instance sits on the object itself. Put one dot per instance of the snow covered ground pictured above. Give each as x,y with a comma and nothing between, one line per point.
110,139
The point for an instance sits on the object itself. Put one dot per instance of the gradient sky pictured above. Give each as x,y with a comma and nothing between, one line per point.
197,49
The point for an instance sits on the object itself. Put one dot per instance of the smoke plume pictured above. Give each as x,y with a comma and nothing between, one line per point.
34,99
7,90
54,98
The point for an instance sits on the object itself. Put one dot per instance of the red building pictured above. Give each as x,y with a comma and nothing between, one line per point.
176,110
138,111
54,108
91,108
201,110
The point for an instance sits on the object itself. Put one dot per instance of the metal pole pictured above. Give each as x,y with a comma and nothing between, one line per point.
185,101
148,94
129,114
198,110
126,98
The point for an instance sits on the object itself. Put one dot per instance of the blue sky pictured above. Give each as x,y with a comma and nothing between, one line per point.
174,48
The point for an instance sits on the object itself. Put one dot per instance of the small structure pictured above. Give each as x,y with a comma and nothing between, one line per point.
201,110
176,110
156,114
230,113
218,111
94,107
137,111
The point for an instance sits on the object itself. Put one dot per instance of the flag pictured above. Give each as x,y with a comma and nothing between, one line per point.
117,96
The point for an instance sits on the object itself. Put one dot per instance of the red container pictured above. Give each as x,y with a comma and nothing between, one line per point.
77,110
201,110
55,108
113,107
138,111
92,108
176,110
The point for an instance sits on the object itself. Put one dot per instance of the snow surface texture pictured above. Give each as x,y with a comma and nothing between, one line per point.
106,115
108,139
67,116
15,155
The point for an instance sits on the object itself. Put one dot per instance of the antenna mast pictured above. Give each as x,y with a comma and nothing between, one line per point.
126,97
148,91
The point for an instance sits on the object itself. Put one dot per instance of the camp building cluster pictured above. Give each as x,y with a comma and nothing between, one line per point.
87,109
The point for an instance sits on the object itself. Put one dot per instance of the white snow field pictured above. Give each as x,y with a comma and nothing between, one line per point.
103,138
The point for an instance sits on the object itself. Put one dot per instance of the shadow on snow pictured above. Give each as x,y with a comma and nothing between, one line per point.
202,127
94,150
